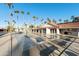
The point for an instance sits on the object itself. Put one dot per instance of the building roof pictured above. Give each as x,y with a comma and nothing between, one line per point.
45,26
60,26
69,25
52,23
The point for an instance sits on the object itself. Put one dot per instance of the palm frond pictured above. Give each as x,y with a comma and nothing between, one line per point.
16,11
11,14
22,12
28,13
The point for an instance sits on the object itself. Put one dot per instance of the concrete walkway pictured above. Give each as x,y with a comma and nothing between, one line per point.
17,44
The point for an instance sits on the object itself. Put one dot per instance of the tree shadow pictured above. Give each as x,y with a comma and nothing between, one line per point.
73,51
67,39
62,43
25,53
48,50
13,50
70,53
28,43
39,39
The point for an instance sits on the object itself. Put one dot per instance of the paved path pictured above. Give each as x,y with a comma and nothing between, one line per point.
17,44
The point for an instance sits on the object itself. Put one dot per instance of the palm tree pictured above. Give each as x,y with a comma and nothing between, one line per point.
60,20
34,18
31,26
48,19
75,19
11,14
25,27
72,17
22,12
54,20
10,26
10,5
45,22
16,12
28,13
42,20
25,24
66,21
14,22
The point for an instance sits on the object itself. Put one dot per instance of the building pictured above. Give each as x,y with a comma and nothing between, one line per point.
70,28
2,31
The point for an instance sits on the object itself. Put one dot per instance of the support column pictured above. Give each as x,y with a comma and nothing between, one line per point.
78,34
58,32
48,32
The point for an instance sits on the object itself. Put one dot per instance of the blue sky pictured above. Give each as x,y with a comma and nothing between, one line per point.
41,10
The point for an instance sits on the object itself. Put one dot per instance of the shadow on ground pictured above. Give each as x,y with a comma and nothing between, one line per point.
47,51
28,43
70,53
